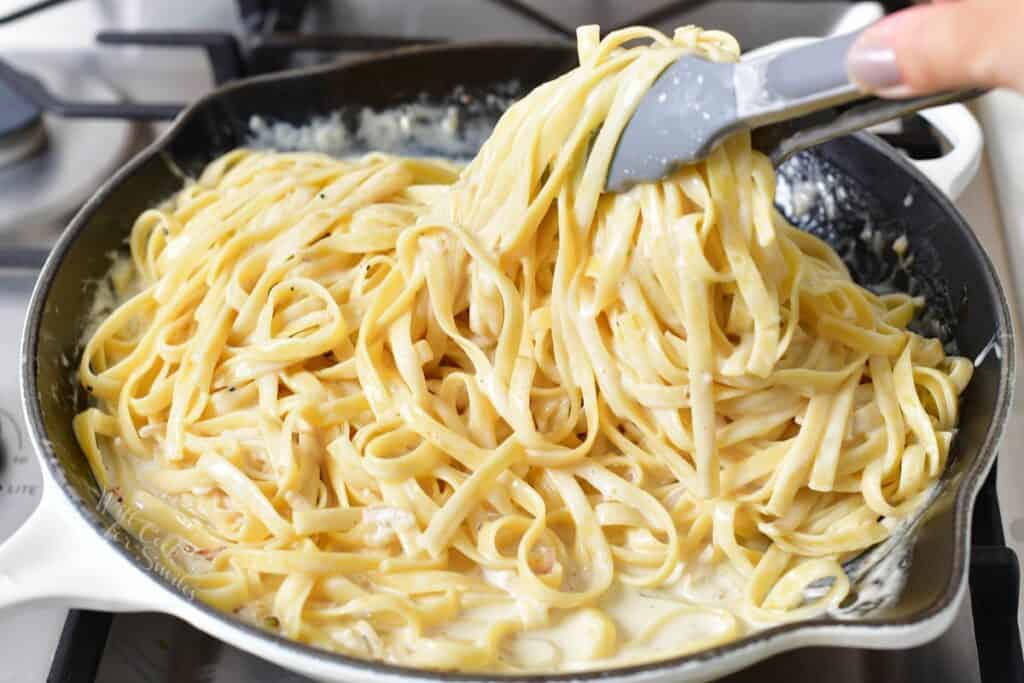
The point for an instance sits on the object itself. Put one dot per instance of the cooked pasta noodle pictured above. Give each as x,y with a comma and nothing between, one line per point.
496,419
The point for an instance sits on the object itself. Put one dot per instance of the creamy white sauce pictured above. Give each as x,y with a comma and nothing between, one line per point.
118,285
385,522
362,640
419,127
649,623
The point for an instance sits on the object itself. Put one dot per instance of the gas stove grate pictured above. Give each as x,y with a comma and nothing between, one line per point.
995,592
272,38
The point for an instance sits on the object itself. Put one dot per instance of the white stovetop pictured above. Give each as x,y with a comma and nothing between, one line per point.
994,206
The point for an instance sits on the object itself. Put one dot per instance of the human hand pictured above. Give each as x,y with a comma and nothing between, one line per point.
943,46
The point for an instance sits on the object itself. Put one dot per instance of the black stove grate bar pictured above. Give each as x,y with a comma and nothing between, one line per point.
535,16
32,89
80,648
223,52
267,16
666,11
995,594
671,9
221,48
335,42
265,52
264,18
29,9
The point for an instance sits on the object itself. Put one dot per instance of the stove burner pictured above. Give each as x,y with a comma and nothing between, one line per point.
21,126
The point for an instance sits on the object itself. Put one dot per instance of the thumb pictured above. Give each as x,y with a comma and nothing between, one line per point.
940,47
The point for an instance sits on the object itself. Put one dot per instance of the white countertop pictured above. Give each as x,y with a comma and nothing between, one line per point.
994,206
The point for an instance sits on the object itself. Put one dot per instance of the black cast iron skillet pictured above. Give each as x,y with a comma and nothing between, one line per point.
90,563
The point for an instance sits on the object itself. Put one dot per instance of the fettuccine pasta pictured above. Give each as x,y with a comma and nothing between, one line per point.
496,419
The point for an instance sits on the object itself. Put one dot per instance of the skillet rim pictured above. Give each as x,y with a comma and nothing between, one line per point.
962,507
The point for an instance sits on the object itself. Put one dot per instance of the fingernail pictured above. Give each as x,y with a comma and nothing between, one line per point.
871,64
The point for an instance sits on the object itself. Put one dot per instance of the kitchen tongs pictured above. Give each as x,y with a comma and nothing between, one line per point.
790,100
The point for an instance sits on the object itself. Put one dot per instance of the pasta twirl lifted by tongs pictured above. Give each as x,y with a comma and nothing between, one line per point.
457,419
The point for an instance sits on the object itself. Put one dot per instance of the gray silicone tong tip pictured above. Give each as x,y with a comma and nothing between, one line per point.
687,111
790,100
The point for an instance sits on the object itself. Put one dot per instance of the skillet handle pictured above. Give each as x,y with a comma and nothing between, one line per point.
953,172
55,556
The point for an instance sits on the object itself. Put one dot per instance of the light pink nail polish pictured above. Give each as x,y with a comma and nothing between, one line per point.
872,65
